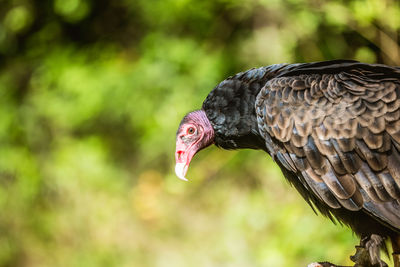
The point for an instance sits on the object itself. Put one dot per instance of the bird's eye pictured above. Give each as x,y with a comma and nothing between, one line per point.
191,130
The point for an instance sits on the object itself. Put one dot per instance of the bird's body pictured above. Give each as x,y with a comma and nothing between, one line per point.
332,127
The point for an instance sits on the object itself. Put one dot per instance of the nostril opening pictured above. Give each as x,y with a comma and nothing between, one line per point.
180,153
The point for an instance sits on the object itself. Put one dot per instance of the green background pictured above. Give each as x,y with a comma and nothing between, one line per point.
91,94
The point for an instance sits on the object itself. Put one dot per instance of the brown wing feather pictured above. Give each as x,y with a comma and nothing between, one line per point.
340,133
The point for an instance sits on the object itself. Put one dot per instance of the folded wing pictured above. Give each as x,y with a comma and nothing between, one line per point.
338,129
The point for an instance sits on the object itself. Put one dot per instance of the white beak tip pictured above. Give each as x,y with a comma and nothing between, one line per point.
183,178
180,170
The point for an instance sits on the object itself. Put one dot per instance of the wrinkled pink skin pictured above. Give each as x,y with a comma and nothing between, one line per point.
194,134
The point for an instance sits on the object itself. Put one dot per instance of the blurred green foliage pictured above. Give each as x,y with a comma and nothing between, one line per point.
91,93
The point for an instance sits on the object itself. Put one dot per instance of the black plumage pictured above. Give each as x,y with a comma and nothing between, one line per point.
333,128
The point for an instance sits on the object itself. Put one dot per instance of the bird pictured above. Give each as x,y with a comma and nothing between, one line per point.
332,127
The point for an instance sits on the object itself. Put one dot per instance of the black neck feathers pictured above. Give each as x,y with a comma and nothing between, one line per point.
231,111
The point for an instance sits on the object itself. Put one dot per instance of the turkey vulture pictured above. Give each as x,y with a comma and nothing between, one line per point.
333,128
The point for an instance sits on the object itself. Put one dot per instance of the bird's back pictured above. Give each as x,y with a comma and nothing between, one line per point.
334,129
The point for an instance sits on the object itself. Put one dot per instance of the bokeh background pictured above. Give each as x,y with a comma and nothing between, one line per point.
91,94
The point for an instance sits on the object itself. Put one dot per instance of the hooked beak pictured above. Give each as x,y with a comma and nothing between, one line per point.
181,170
183,156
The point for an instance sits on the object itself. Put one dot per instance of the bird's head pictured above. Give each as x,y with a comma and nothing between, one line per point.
194,133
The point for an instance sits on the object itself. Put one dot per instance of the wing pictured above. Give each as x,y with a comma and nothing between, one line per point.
339,132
